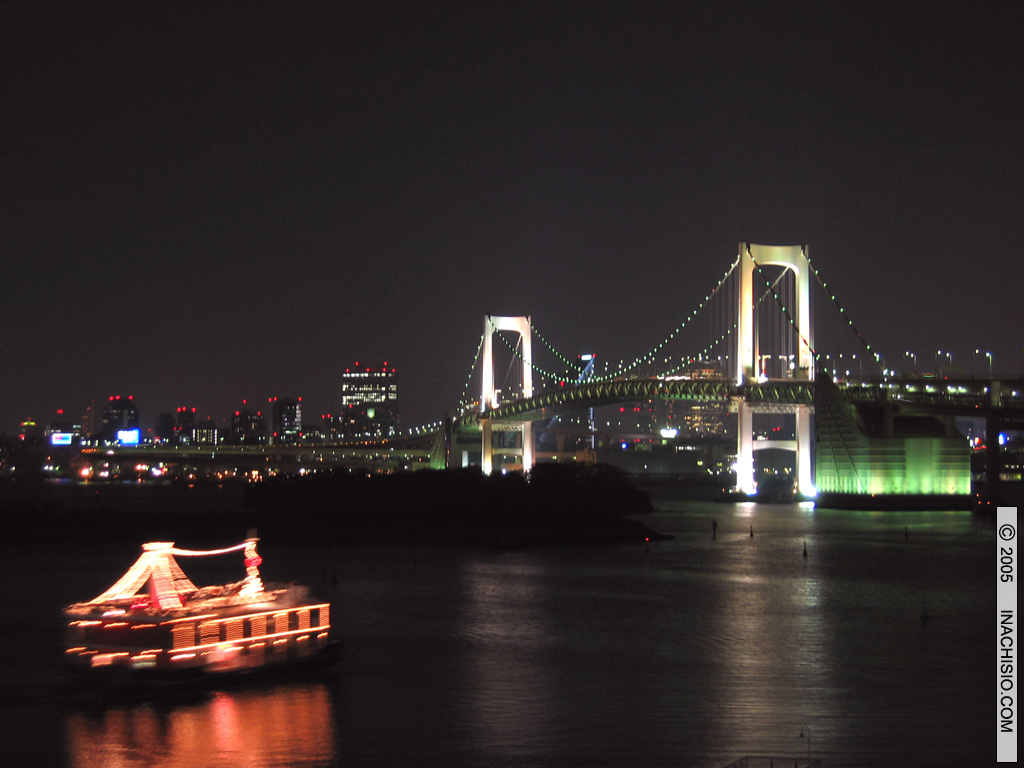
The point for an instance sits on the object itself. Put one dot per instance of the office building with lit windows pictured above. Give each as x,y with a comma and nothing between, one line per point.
248,427
369,399
286,416
121,420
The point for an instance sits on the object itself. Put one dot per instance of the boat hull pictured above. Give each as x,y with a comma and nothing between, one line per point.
113,682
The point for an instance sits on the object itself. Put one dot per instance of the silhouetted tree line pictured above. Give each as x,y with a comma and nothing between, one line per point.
555,504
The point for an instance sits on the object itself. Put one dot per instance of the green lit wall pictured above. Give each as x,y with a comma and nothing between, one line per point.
850,459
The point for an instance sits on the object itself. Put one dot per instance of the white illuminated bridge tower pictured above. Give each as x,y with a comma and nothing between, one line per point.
488,395
790,257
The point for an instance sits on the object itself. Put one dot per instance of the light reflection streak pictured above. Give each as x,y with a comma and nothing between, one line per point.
507,616
781,665
291,725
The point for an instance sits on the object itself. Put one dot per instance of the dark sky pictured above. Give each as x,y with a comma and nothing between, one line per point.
208,202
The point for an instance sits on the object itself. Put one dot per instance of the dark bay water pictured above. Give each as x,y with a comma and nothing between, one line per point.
695,653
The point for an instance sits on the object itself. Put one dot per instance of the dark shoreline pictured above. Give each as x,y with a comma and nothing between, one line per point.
560,504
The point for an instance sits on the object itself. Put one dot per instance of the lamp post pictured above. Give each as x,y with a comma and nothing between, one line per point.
913,355
989,356
974,362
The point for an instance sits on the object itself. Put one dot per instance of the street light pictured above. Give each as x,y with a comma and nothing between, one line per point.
913,355
989,356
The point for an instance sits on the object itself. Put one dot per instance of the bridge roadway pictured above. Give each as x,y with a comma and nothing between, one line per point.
1002,399
958,397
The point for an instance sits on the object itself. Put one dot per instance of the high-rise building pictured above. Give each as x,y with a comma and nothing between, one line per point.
120,413
163,430
121,420
369,399
286,416
89,418
185,429
248,427
206,433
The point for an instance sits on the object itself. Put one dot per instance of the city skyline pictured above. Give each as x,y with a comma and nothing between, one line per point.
198,207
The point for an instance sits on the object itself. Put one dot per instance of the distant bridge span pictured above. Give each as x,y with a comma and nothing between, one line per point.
959,397
999,402
591,394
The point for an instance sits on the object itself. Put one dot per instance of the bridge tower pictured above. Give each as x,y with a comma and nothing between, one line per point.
488,395
791,257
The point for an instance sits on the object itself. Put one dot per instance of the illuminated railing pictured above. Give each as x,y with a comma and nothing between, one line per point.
188,640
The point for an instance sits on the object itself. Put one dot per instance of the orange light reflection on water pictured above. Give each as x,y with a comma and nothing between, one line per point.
289,725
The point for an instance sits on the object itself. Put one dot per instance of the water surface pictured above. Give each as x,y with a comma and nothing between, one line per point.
694,653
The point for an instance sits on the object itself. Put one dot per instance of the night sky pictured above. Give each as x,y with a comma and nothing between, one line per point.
207,203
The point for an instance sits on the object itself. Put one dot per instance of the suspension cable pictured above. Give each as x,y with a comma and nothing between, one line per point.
867,347
651,355
463,402
782,306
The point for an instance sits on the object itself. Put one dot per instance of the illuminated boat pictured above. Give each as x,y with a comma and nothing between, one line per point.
155,626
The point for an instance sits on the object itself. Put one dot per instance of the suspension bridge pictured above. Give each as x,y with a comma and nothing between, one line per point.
768,339
749,347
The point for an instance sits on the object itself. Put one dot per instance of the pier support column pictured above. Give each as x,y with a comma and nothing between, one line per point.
745,448
486,447
804,449
526,431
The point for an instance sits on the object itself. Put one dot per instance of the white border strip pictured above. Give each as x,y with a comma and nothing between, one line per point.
1006,634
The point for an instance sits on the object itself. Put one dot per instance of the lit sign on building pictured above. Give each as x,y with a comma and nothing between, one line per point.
61,438
128,436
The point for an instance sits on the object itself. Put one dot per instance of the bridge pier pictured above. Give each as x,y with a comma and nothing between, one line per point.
746,480
526,450
804,465
486,447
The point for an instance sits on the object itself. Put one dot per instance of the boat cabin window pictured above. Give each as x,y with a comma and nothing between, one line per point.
280,622
184,635
209,632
